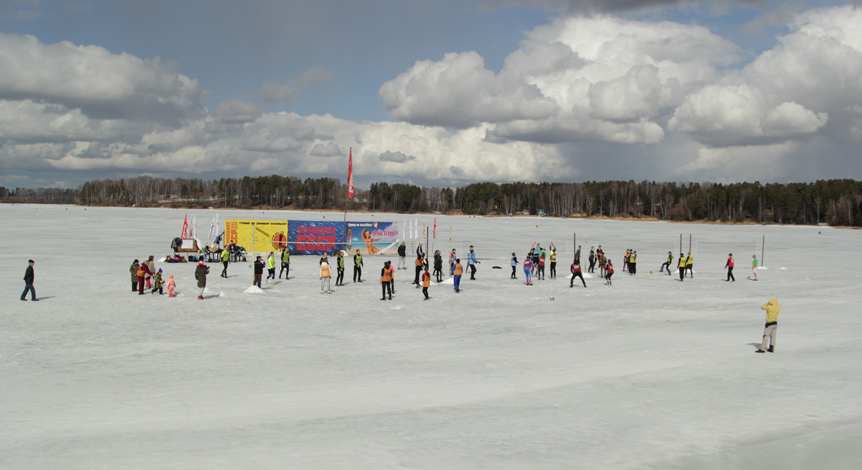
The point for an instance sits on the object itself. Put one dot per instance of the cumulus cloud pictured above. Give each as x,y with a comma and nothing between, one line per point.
581,96
578,78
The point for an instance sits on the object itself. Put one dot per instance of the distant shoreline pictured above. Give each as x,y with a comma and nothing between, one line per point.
449,213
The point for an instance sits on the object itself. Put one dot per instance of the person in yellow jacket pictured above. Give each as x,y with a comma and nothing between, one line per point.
689,265
325,278
681,266
772,311
270,267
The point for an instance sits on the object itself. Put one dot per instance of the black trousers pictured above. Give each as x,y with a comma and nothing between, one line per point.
592,265
224,271
730,273
633,268
541,272
257,280
438,274
134,286
681,272
418,273
513,273
285,268
663,266
574,275
340,278
425,291
473,272
357,273
553,269
387,286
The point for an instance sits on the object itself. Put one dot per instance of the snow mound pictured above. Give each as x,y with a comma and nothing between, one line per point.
253,290
450,281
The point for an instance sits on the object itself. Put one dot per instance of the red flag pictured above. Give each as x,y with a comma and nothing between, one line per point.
350,175
184,233
435,227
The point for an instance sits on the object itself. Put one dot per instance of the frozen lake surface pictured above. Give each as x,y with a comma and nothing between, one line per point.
650,373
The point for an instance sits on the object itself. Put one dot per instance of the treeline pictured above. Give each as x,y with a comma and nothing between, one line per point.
836,202
38,195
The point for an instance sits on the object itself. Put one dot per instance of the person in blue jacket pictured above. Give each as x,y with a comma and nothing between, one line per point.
471,261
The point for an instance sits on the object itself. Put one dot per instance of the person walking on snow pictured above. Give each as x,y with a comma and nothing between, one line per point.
171,286
471,261
769,331
438,266
689,265
426,282
158,283
754,266
325,278
729,267
225,258
270,267
514,266
528,269
459,270
610,272
29,278
201,276
285,263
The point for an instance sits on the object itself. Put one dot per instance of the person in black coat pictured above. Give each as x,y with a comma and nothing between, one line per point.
258,271
29,277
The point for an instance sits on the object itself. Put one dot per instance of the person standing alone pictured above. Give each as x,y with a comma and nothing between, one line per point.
772,311
357,267
729,267
754,266
29,278
201,276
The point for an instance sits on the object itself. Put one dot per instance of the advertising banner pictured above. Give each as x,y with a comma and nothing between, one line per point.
310,237
257,235
372,238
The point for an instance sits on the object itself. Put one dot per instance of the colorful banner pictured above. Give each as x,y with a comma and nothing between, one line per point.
312,237
309,237
261,236
372,238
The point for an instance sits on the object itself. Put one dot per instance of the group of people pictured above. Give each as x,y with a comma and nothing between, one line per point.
146,273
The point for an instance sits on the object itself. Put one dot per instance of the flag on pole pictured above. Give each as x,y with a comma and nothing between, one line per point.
435,227
193,228
184,233
213,226
350,175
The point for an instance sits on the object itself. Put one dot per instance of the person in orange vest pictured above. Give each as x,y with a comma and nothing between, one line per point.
729,267
325,278
386,275
459,270
426,282
418,262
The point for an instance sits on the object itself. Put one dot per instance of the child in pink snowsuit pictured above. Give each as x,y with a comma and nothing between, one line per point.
171,286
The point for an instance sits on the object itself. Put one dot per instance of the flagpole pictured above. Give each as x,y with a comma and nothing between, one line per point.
347,198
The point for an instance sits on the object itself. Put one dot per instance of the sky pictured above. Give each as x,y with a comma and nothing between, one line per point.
438,93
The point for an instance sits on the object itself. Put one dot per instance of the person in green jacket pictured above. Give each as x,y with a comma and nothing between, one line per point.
285,263
339,266
201,276
270,267
134,270
225,257
357,267
772,311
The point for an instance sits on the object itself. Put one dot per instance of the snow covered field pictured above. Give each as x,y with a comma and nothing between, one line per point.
650,373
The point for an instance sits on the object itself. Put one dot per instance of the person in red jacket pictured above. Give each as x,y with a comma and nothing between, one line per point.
426,282
610,272
576,272
143,272
729,267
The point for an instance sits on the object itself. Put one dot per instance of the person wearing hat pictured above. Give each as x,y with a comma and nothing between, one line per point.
29,277
134,270
158,283
201,276
258,271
